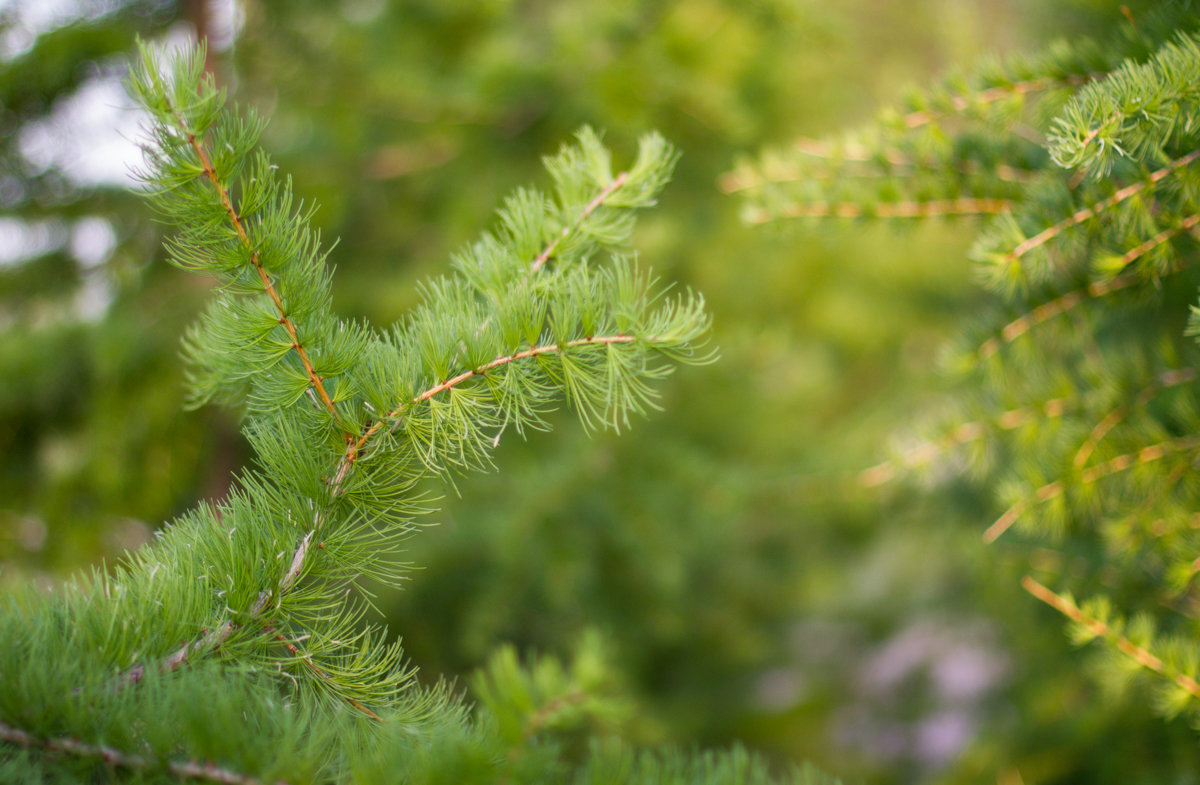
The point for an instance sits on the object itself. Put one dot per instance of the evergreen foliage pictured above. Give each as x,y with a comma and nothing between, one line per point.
1075,398
234,649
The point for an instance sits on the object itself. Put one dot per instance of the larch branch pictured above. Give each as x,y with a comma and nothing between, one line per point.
1088,476
961,103
917,209
357,448
238,225
961,434
183,769
1138,654
314,668
1087,213
567,231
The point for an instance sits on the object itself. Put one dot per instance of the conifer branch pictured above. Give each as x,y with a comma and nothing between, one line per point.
358,446
1087,213
1088,476
1048,310
567,231
966,432
210,172
915,209
294,650
781,172
1096,627
183,769
960,103
1113,418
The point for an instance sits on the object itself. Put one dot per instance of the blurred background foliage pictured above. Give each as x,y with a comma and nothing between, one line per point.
751,587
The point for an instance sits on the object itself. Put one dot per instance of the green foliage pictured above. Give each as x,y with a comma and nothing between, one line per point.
239,617
1075,399
725,546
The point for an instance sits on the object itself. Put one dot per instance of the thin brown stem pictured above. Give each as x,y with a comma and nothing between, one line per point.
210,172
314,668
567,231
966,432
1046,311
357,447
1087,213
935,207
785,172
183,769
1138,654
1113,418
960,103
1088,476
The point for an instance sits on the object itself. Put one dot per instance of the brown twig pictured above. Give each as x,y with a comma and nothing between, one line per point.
966,432
966,206
1087,213
783,172
567,231
1098,628
1046,311
312,666
184,769
1118,464
1113,418
960,103
357,447
210,172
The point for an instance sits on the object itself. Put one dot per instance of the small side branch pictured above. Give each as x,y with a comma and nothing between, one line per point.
1113,418
356,449
183,769
1098,628
931,208
211,173
966,432
1088,476
567,231
312,666
1087,213
960,103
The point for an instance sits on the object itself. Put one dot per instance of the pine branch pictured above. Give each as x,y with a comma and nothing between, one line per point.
1088,476
1087,213
915,209
1099,629
926,452
202,153
1113,418
960,103
567,231
184,770
314,668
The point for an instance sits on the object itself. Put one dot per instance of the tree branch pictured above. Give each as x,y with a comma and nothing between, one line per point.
1087,213
966,206
1088,476
567,231
960,103
210,172
1138,654
183,769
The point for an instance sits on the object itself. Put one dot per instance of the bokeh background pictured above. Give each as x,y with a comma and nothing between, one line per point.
751,586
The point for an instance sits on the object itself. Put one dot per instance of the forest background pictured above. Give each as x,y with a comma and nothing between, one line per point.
752,587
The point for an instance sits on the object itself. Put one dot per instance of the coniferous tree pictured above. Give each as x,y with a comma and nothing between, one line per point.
1075,398
234,649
